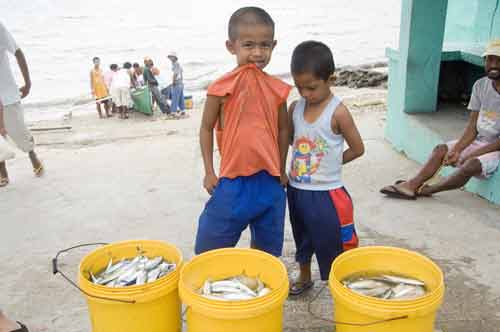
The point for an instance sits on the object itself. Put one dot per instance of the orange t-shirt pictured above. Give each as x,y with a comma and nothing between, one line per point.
248,143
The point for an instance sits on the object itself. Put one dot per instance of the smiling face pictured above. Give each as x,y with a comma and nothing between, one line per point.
254,44
314,90
492,67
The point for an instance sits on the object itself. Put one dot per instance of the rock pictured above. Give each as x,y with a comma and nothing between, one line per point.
357,77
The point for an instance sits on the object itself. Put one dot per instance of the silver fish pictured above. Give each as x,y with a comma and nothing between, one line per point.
387,287
134,271
402,280
153,274
234,289
142,277
151,264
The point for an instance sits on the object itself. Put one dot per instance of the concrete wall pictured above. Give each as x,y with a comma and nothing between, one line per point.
472,21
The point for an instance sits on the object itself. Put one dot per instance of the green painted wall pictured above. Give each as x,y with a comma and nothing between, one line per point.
472,21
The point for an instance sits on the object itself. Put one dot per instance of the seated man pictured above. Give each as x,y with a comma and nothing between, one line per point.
477,152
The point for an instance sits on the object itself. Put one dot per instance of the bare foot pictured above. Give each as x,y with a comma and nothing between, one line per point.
425,190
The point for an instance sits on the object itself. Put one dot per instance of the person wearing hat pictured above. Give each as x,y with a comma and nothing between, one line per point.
176,91
477,152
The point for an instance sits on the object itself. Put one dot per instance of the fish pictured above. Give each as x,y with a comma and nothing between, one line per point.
138,270
387,287
366,284
237,288
402,280
151,264
153,275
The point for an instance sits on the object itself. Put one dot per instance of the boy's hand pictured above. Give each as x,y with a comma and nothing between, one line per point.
283,179
25,90
451,158
3,131
209,182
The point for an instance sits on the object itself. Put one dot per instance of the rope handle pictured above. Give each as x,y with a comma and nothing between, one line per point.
309,309
56,270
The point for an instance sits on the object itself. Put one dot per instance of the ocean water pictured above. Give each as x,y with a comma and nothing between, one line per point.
60,38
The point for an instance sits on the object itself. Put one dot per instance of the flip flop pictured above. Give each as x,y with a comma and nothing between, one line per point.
39,171
395,192
299,287
22,328
4,182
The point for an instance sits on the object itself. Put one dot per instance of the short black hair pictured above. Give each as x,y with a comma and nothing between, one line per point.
113,66
136,65
248,15
95,58
127,65
313,57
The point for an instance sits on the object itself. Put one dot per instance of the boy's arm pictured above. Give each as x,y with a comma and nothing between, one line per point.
23,65
283,141
208,121
467,138
291,130
3,131
348,129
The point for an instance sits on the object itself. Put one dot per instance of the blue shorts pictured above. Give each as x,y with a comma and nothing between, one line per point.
257,201
322,224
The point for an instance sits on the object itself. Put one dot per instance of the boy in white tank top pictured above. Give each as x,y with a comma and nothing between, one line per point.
321,212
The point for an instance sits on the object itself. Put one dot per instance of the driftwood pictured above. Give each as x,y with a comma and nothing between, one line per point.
51,128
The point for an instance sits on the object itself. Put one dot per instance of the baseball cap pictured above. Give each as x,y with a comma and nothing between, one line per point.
493,48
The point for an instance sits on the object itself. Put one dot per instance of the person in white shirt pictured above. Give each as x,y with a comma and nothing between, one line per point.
11,96
122,81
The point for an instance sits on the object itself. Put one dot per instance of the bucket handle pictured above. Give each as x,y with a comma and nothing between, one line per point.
309,309
56,270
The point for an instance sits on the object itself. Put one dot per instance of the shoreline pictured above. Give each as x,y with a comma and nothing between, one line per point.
86,129
372,74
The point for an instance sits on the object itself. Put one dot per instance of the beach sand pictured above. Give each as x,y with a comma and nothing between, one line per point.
110,180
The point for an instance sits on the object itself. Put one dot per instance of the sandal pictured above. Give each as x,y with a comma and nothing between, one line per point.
4,182
300,287
22,328
396,192
39,171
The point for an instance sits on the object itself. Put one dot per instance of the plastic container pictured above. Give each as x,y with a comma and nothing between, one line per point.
260,314
153,307
416,315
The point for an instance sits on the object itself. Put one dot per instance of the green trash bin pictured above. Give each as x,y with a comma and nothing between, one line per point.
142,100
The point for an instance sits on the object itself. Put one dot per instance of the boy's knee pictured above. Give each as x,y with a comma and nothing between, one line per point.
471,167
441,149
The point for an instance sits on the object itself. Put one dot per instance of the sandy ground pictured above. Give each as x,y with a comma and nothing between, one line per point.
110,180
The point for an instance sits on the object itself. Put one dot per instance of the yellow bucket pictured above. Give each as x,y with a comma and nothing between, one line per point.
153,307
264,314
188,102
366,314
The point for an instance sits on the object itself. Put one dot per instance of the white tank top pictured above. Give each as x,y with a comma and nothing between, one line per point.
317,150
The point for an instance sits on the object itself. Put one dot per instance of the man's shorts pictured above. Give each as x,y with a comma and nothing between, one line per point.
257,201
489,161
121,97
16,127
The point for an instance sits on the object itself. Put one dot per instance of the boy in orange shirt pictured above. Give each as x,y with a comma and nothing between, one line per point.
249,108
